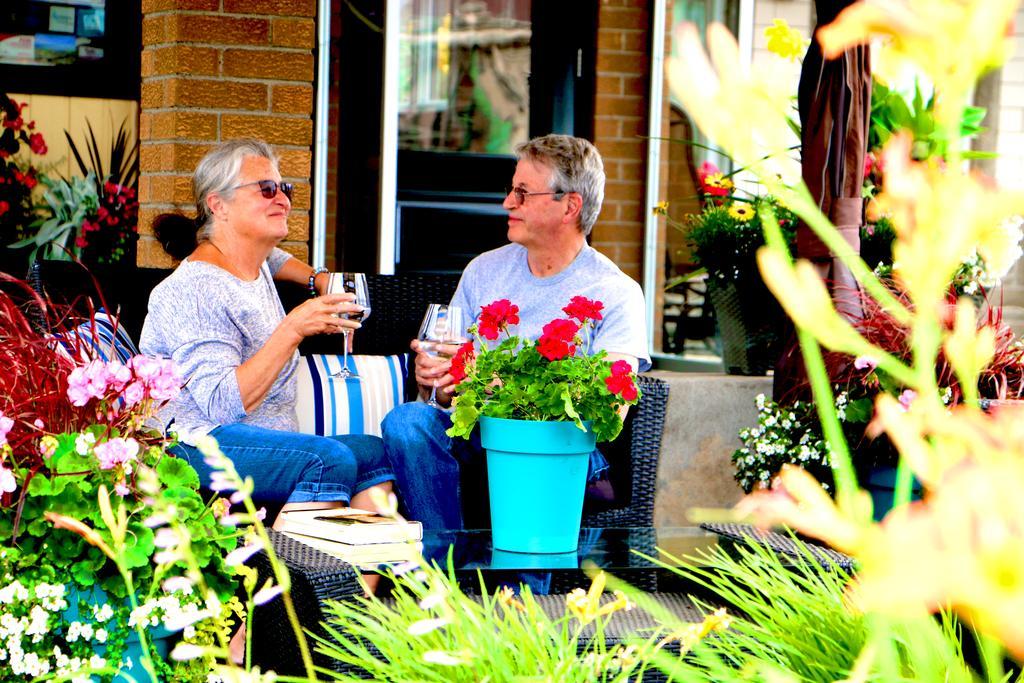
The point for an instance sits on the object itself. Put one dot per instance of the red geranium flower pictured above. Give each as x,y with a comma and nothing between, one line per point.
556,341
619,383
497,316
584,309
36,142
4,206
461,358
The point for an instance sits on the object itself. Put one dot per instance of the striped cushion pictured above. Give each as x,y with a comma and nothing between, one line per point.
100,341
328,405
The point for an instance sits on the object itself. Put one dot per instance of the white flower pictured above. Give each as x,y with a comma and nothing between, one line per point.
84,443
102,612
445,658
424,626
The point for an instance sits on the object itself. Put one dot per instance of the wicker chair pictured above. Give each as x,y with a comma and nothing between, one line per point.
783,544
315,577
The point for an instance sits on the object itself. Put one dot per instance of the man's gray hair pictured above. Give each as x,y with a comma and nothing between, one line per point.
575,165
218,172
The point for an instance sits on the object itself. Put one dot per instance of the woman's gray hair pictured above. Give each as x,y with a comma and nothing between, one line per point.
218,172
575,165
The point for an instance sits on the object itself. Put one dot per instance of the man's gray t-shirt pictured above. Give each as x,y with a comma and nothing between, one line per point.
209,322
504,273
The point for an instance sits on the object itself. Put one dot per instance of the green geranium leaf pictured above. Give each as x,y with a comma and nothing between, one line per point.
859,410
138,545
176,472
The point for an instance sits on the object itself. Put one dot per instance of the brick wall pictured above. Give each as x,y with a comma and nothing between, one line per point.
623,65
215,70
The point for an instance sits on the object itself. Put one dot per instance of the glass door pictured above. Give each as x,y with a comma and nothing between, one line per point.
466,81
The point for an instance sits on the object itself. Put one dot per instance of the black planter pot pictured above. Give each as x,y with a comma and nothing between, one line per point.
750,322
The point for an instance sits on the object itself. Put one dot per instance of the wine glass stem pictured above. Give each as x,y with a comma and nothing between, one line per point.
433,394
344,351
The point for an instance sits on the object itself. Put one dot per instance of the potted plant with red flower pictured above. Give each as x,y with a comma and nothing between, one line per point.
542,406
18,177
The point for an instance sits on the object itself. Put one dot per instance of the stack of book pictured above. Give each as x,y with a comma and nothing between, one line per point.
361,538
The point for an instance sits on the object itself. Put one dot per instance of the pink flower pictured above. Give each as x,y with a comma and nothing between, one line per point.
865,363
134,393
158,375
121,489
119,375
907,397
87,381
38,424
6,425
116,452
7,481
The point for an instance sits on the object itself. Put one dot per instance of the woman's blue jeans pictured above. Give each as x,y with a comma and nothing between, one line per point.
287,467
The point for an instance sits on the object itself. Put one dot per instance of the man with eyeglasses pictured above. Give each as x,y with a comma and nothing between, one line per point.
552,206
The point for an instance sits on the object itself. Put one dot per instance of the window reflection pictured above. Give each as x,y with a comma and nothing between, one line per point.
685,317
464,75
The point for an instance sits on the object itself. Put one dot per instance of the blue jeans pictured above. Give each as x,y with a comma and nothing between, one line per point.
287,467
440,478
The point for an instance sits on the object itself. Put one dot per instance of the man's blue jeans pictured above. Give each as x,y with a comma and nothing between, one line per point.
436,474
287,467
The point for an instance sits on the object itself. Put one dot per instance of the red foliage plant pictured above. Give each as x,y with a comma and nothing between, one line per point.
34,379
1003,378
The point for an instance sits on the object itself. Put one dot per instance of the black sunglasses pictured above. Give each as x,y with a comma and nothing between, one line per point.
268,188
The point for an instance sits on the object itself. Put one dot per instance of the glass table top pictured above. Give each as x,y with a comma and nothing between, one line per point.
612,549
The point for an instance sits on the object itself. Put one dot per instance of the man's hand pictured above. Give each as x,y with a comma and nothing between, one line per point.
432,370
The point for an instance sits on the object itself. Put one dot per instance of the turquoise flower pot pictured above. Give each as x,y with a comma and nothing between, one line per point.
881,484
133,670
537,474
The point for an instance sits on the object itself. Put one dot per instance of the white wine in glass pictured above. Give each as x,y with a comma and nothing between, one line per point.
443,330
354,283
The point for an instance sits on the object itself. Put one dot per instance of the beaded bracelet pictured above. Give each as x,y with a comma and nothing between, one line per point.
312,279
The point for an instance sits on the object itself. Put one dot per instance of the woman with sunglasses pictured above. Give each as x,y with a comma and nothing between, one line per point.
218,316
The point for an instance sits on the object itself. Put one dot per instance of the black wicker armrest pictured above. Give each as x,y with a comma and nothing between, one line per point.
644,451
781,543
316,577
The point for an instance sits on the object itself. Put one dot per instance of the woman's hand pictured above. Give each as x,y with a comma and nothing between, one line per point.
321,316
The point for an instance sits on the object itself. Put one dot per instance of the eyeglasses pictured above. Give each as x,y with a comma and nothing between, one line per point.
520,194
268,188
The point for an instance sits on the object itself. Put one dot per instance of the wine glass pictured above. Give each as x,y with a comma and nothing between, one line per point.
443,328
355,283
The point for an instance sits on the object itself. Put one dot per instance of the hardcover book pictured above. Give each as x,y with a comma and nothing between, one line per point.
367,555
349,525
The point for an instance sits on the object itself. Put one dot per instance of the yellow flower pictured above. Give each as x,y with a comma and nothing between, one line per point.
718,180
507,598
941,215
797,500
661,208
691,634
806,300
963,546
741,212
785,41
919,31
742,109
969,348
587,606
